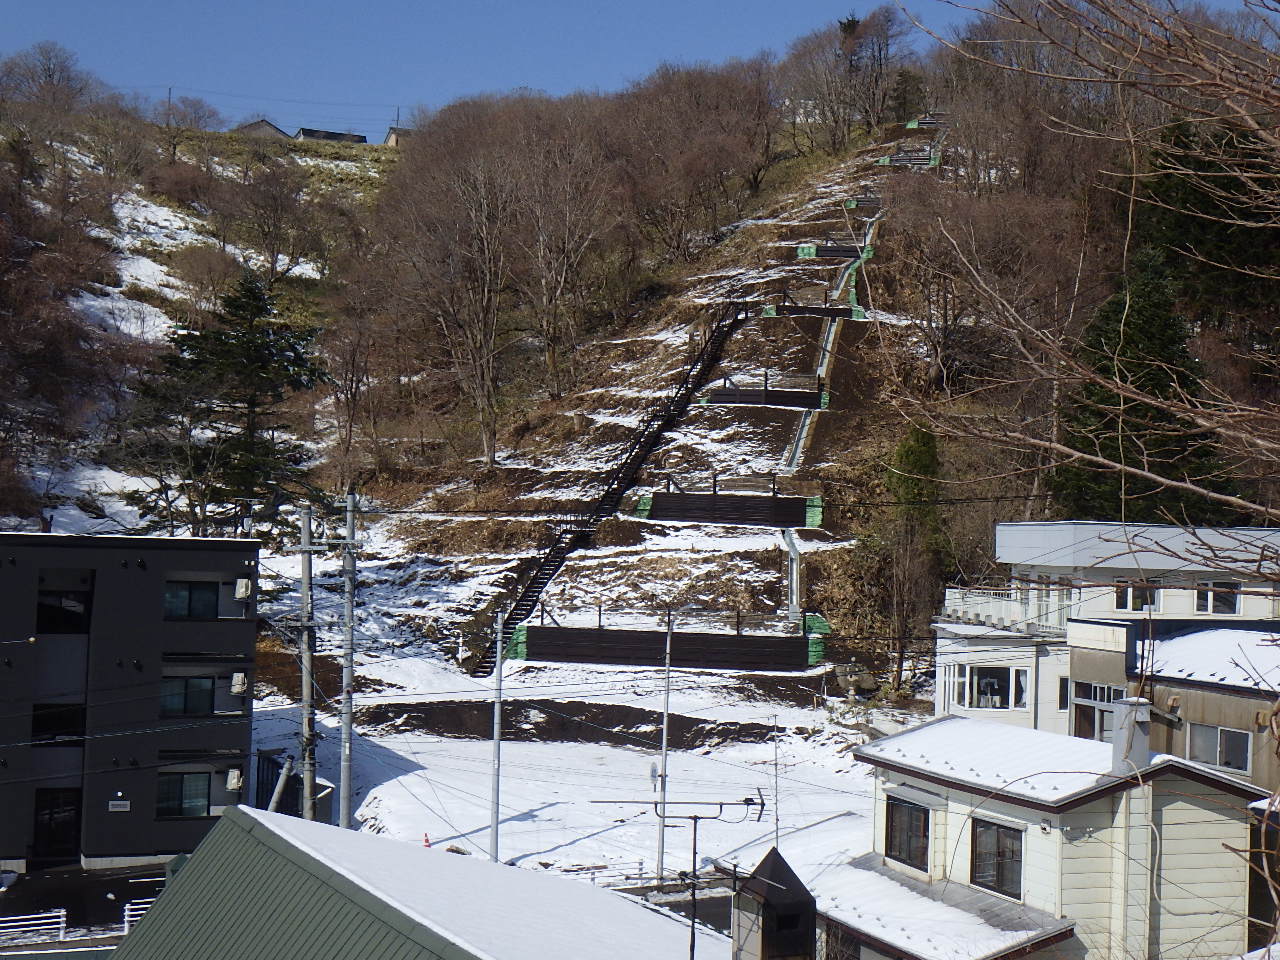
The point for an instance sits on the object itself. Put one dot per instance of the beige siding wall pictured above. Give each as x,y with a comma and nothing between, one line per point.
1089,838
1097,666
1201,886
1228,709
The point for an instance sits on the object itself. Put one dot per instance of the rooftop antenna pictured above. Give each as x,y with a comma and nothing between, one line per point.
691,876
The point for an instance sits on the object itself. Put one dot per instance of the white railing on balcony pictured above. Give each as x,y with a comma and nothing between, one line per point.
1035,610
133,911
50,925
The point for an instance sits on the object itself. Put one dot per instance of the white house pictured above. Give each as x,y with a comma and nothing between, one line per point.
993,841
1045,650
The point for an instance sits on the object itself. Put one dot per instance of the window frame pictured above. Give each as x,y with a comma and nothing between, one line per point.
1218,751
1208,592
898,848
1016,678
1131,590
1000,831
186,710
182,795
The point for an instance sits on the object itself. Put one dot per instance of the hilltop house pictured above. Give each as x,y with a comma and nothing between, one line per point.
261,128
1065,637
993,841
308,133
265,885
396,134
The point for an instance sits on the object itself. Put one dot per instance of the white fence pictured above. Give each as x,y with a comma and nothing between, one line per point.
52,924
133,911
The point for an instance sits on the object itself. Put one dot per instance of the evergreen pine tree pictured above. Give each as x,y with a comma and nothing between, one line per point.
1137,338
915,539
208,427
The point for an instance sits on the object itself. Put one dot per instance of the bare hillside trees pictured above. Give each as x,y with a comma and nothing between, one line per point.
1155,131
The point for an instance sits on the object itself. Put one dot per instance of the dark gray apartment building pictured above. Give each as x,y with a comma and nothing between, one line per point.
126,679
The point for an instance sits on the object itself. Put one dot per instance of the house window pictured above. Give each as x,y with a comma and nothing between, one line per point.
998,688
1218,597
1218,746
1064,693
907,834
64,601
960,685
997,858
1093,717
1136,597
186,696
57,722
182,795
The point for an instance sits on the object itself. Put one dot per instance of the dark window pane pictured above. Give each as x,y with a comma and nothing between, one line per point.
997,858
182,795
173,694
1085,726
177,600
1225,597
907,838
63,611
1084,690
1064,693
204,601
990,687
200,695
57,721
195,794
169,795
1233,749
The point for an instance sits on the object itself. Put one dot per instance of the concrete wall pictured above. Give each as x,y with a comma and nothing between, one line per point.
115,671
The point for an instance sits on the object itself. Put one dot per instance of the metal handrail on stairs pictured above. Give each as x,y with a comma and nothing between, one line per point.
618,480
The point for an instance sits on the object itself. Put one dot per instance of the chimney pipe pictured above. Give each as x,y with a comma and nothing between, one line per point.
1131,743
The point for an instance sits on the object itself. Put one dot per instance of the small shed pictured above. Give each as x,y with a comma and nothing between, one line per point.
775,917
261,127
309,133
397,134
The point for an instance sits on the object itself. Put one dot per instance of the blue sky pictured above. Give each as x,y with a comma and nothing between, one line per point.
348,65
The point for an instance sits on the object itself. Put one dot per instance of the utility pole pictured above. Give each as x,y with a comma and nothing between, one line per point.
662,769
496,787
348,659
777,825
307,645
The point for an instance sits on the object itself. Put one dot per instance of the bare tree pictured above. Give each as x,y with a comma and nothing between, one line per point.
178,119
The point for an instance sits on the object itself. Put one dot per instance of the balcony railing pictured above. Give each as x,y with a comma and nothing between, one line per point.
1034,611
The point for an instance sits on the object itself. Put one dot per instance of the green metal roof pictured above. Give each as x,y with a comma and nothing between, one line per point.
247,894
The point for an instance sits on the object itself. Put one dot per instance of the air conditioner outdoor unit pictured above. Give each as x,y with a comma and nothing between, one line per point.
244,589
239,683
235,780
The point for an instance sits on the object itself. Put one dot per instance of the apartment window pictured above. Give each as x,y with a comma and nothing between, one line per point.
191,600
997,858
1135,597
55,722
907,833
1218,746
186,696
998,688
1064,693
1218,597
64,601
182,795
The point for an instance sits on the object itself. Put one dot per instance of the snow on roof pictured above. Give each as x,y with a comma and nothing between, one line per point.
1235,658
493,910
935,922
1040,766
